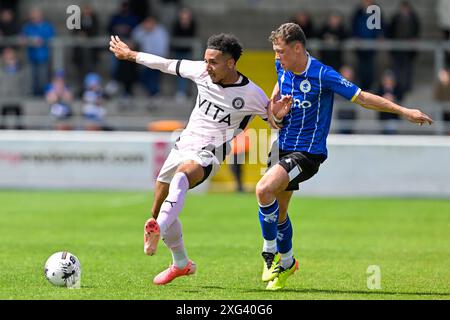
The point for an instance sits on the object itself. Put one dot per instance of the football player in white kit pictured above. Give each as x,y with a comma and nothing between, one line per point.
226,102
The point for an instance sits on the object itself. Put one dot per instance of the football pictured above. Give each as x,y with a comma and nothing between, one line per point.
63,269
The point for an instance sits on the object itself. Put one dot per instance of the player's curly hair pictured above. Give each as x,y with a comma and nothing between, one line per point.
227,43
288,32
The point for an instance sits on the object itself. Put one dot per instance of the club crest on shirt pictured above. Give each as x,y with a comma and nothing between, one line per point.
305,86
238,103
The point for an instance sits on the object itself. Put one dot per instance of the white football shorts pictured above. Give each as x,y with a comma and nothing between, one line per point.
205,158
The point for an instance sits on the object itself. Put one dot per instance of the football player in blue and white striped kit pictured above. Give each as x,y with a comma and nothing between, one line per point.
306,89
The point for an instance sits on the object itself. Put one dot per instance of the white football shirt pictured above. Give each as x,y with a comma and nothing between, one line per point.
221,111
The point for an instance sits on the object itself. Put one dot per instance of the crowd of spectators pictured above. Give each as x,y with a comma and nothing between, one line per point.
139,24
30,73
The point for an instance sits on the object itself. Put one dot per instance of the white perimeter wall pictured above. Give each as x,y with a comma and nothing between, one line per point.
78,160
383,166
357,165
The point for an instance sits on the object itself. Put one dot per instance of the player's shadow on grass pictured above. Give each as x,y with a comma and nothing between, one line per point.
213,287
368,292
204,287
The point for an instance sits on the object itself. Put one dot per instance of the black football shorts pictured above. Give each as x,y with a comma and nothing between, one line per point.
299,165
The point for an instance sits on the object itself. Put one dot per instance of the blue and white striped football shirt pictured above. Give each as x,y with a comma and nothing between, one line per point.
306,126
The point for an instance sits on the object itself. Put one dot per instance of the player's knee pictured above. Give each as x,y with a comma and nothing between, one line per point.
263,191
259,190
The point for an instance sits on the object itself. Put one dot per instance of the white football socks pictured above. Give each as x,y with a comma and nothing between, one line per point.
286,259
171,207
270,246
173,238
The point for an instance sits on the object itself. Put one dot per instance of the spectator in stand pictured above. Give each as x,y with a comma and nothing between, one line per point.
345,110
443,15
37,34
366,58
405,25
13,78
9,4
59,97
8,19
86,58
442,94
390,90
151,37
8,25
303,19
122,24
11,8
185,27
167,11
140,9
333,32
93,100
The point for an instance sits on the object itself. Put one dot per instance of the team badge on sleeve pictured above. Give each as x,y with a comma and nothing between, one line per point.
345,82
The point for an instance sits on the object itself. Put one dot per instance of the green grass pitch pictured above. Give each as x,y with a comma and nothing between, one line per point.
336,241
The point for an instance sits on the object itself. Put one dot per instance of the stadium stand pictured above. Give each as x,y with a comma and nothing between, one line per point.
245,19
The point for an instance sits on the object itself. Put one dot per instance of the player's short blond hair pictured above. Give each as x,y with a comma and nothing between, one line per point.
288,32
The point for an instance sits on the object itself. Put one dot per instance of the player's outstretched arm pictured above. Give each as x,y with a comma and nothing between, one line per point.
371,101
123,52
